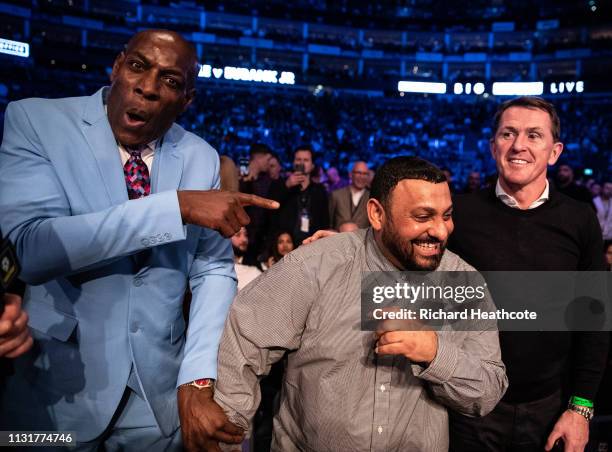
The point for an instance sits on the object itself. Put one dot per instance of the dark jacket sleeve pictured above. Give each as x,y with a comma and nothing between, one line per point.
590,349
589,359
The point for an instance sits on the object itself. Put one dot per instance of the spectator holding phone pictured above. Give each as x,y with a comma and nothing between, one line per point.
304,207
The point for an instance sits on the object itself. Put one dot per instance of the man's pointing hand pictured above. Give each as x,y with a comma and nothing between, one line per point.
218,209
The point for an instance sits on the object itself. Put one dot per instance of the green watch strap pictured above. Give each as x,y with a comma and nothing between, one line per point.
581,402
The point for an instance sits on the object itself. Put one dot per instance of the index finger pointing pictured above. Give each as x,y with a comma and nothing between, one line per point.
254,200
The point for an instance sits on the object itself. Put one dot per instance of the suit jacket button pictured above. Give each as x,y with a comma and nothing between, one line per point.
167,236
138,282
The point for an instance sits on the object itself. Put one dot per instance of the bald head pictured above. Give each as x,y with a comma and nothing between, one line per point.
152,83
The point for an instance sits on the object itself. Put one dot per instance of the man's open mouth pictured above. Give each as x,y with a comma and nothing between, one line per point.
135,118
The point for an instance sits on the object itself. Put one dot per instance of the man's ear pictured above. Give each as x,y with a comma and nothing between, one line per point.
189,97
555,153
492,148
376,214
116,66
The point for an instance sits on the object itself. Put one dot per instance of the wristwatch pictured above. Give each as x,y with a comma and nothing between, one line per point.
201,383
585,411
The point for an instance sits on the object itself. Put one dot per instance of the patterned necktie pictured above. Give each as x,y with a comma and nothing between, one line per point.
136,173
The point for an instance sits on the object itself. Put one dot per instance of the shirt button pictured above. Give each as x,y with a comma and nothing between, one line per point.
134,328
145,242
380,430
382,388
167,236
138,282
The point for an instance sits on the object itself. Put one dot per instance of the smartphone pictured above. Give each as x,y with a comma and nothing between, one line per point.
299,168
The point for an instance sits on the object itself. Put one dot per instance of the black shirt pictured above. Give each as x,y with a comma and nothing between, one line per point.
293,202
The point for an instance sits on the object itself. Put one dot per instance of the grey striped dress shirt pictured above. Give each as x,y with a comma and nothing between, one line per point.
337,394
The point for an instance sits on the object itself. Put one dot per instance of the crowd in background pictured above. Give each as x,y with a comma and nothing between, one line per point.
343,128
313,198
451,131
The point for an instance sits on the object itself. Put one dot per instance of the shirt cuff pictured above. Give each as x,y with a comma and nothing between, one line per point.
190,372
442,368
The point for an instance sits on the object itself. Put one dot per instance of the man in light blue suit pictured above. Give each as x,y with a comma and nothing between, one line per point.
106,274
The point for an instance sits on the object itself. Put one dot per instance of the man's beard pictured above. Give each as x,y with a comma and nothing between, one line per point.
404,251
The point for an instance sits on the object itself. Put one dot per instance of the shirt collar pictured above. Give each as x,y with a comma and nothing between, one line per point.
511,201
149,147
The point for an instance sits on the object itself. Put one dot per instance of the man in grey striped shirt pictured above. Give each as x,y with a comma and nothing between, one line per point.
346,389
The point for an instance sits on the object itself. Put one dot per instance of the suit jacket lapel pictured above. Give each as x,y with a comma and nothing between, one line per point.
364,198
167,164
103,147
349,200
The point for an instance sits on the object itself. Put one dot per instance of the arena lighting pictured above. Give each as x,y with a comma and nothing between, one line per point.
469,88
479,88
567,87
247,75
518,88
16,48
421,87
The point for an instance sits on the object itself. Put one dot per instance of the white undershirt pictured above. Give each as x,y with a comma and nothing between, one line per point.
356,196
510,201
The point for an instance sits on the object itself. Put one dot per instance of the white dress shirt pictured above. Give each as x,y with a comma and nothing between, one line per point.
510,201
356,196
604,215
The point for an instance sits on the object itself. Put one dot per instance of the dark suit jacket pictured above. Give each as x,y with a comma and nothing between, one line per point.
341,208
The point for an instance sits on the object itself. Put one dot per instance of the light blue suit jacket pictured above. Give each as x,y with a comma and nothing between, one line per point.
107,275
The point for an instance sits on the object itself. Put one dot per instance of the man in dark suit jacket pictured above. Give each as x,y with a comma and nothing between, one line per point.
348,204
